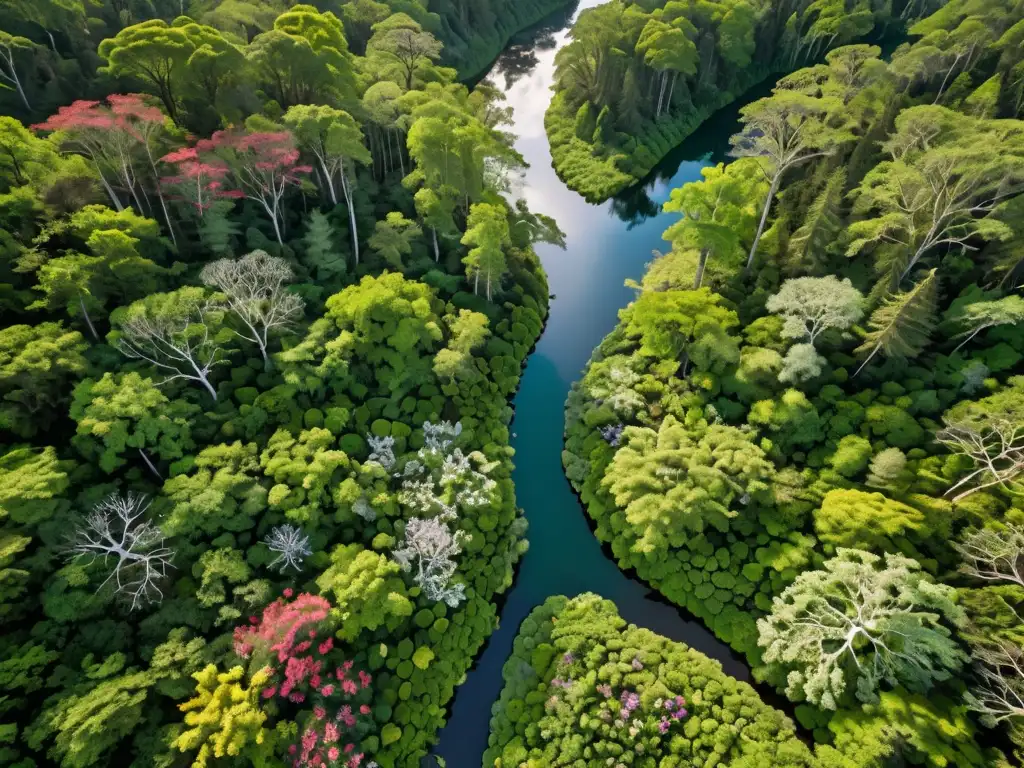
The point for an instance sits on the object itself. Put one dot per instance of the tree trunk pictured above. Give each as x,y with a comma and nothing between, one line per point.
701,263
53,45
206,383
110,190
88,320
671,90
346,190
764,218
866,361
661,95
401,152
437,250
149,464
946,78
476,284
330,183
488,285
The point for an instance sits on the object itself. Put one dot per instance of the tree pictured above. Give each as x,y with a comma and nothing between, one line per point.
857,622
812,305
487,231
200,177
785,130
468,331
290,545
334,138
367,590
392,238
948,172
382,330
36,366
172,332
126,412
429,546
888,470
667,323
254,290
265,165
321,249
674,482
868,521
998,695
982,315
11,47
994,555
155,53
116,529
24,158
718,215
668,48
403,41
901,326
438,213
304,59
224,718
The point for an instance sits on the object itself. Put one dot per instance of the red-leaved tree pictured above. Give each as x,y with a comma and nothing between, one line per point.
200,177
118,137
292,639
265,166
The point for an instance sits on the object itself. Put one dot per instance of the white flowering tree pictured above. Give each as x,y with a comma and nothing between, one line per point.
254,288
436,484
811,305
117,535
290,545
858,622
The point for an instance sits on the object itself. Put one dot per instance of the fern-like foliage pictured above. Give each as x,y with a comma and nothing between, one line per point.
901,326
809,245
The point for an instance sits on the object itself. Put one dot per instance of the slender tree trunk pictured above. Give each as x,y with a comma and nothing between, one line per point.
867,360
149,464
976,332
401,151
277,226
661,95
437,250
88,320
764,218
671,90
13,77
346,190
330,183
110,190
206,382
53,45
476,283
946,78
701,264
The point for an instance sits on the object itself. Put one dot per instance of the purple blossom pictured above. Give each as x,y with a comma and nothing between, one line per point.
605,690
637,664
630,701
663,725
568,659
670,704
612,434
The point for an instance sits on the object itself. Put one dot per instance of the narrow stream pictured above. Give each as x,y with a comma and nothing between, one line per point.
607,244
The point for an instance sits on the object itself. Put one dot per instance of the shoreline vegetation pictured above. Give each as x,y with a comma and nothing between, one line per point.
776,435
614,117
267,308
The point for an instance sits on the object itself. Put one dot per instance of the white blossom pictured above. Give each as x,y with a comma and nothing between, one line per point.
428,549
382,450
116,530
291,546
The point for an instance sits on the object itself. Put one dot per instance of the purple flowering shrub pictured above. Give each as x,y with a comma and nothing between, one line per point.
606,693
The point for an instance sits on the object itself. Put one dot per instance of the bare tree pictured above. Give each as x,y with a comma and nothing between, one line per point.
115,529
291,546
994,555
995,445
177,342
382,450
430,546
255,289
999,694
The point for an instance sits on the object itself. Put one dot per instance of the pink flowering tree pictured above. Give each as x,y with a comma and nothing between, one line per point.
119,138
293,641
199,177
265,166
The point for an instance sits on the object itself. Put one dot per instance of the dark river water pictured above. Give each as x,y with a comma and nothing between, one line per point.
607,244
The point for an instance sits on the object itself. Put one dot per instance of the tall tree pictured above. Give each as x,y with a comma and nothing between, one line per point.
404,42
785,130
487,232
392,238
13,47
901,326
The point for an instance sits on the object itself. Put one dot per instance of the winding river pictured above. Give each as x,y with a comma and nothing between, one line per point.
607,244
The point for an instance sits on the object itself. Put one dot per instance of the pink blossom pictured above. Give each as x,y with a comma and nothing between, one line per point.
333,753
349,687
319,712
268,693
327,690
364,679
364,709
331,733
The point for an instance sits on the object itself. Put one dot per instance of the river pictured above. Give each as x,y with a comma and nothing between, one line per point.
606,244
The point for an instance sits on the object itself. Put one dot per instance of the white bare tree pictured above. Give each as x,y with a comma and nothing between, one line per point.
992,555
290,544
429,547
117,531
999,694
179,344
255,291
382,450
995,445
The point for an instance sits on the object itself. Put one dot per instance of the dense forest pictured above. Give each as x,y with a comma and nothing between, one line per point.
265,304
640,75
806,429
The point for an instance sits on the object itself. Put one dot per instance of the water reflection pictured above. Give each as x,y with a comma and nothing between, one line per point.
606,244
